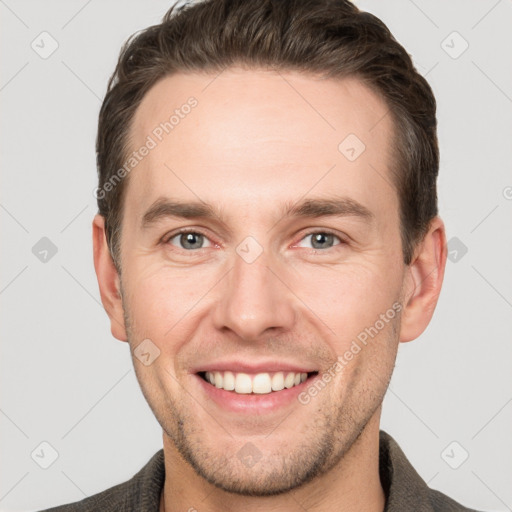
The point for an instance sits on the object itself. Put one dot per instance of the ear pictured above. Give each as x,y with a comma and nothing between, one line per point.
423,281
108,279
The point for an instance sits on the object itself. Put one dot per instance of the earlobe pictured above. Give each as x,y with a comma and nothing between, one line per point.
108,279
423,282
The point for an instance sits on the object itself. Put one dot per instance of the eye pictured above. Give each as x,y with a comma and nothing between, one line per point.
189,240
322,239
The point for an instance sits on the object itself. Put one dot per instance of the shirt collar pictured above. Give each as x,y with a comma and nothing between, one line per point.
403,486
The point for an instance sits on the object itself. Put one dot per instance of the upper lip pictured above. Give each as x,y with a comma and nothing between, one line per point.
238,366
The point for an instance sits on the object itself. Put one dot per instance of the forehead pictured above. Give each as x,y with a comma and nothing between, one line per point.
241,136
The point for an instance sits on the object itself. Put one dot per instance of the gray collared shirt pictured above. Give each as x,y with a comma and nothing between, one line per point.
405,490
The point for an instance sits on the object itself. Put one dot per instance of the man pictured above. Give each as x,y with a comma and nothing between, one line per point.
267,234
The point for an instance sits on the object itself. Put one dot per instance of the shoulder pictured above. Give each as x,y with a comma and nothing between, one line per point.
141,492
404,487
442,503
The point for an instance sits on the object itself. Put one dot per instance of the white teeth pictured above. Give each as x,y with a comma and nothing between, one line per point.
261,383
278,381
289,381
243,383
229,381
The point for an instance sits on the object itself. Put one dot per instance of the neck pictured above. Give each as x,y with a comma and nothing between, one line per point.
341,488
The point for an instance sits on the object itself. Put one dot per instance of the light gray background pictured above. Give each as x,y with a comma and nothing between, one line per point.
64,378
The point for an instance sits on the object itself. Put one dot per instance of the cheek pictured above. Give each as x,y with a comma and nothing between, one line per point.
350,297
162,301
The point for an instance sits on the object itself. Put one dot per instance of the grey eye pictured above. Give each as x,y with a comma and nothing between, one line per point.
189,240
321,240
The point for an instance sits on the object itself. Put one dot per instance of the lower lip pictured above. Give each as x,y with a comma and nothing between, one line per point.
254,403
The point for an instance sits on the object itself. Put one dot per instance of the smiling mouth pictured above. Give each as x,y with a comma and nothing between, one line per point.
260,383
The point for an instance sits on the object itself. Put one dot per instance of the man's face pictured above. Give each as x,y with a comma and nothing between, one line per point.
294,295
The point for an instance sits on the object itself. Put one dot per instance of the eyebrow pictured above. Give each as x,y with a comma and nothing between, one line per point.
309,208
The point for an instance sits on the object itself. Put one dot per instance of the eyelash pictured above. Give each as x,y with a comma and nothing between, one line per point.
185,231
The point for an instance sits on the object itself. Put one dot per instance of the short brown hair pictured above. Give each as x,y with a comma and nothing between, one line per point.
332,38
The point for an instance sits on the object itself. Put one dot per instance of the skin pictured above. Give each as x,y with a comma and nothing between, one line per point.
256,141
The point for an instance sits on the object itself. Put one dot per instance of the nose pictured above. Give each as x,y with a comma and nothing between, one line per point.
255,298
